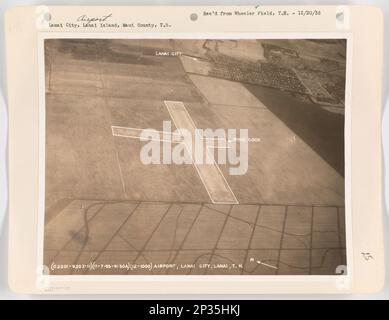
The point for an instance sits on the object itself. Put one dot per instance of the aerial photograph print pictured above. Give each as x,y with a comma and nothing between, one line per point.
194,157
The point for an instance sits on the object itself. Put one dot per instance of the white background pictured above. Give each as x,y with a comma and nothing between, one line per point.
5,293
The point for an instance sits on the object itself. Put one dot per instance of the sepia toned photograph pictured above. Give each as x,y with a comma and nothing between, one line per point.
194,157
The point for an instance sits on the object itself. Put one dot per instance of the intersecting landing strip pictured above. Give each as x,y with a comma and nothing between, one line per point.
213,179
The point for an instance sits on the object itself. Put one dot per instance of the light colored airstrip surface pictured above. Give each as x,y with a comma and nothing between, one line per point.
136,133
216,184
212,178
